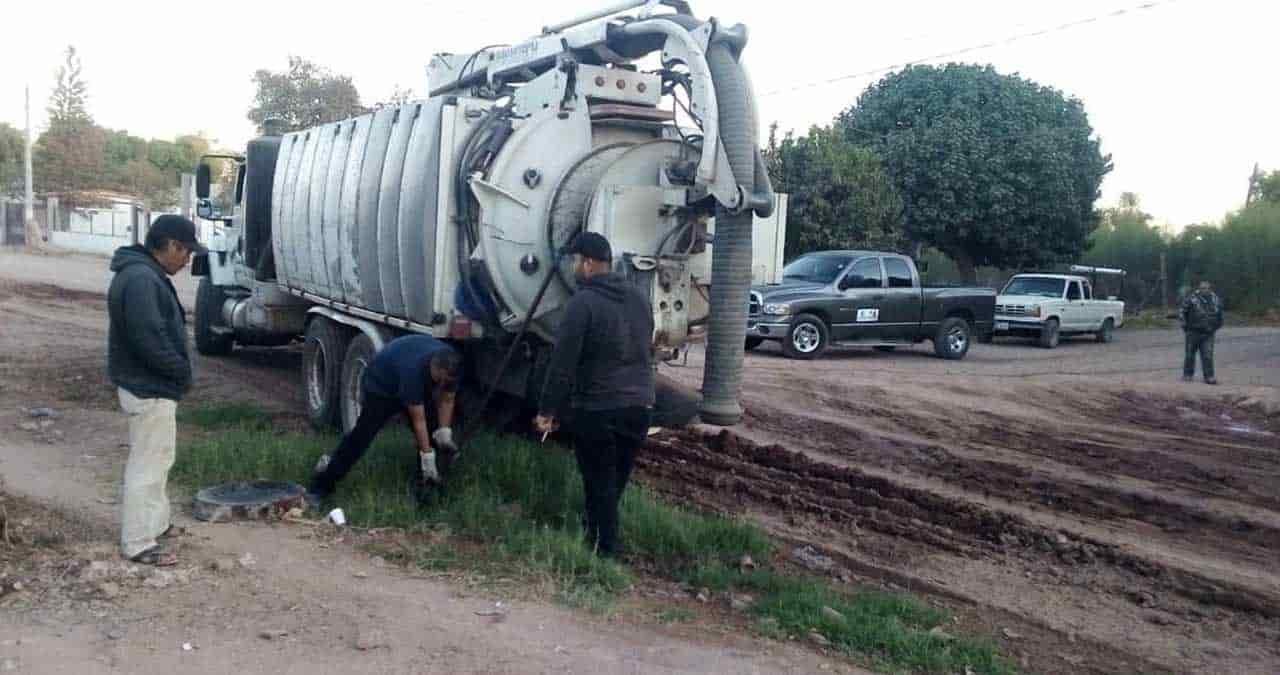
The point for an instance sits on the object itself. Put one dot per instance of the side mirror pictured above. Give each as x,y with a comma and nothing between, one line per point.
204,176
204,208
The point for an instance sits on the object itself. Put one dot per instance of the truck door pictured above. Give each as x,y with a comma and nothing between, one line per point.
857,315
1074,313
1093,311
900,312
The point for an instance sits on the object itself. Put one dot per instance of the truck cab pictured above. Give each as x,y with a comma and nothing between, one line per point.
1048,307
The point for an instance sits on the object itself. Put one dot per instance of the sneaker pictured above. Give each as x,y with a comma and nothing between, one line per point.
1210,380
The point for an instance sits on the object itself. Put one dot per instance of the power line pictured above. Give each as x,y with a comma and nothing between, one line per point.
1152,4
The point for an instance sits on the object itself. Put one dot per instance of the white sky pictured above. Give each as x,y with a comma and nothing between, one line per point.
1181,94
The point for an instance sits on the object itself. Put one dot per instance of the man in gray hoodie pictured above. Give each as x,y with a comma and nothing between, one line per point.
602,370
147,360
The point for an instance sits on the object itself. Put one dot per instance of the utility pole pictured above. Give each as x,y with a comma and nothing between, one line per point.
1164,282
29,206
1255,184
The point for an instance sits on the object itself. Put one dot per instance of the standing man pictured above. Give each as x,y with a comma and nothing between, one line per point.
604,350
148,362
408,373
1201,316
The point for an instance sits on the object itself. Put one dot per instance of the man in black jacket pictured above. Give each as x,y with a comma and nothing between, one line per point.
147,360
604,350
1201,315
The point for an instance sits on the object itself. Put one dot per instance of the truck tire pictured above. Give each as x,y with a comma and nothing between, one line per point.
209,299
952,340
807,338
1107,332
326,345
1050,334
753,342
357,359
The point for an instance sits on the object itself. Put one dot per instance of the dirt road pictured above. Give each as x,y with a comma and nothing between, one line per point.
248,598
1085,494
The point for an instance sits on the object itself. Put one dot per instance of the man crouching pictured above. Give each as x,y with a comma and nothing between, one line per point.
408,372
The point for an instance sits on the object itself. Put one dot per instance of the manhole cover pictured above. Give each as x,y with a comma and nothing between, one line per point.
247,500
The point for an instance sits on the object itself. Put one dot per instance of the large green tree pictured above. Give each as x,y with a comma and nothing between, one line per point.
839,195
303,95
993,169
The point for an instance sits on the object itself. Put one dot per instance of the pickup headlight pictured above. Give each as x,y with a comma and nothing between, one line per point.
779,308
1034,310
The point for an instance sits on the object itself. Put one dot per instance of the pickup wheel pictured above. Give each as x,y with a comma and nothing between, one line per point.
1107,332
753,342
952,339
209,340
322,356
807,338
1050,334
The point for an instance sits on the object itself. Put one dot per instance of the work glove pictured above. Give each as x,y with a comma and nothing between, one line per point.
443,439
427,461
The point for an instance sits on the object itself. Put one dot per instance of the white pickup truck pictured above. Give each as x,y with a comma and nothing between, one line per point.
1049,307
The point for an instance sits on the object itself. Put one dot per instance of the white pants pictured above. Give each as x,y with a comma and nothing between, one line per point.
153,437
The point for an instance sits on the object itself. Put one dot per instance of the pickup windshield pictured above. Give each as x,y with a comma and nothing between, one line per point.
819,269
1041,286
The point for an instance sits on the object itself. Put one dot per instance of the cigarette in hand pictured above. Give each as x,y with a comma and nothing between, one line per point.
544,436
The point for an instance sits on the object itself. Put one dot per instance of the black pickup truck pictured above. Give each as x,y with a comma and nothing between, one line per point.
865,298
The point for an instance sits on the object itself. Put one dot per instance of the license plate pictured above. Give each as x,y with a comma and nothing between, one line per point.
1002,325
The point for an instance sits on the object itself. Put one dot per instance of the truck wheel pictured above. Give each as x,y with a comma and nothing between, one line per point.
322,370
209,341
952,340
1050,334
1106,333
359,355
753,342
807,337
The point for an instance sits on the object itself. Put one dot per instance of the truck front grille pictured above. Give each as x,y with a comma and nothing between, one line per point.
1011,310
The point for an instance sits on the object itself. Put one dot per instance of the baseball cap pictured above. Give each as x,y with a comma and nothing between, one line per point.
177,228
592,245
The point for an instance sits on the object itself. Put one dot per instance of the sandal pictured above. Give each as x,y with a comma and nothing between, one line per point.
156,556
172,532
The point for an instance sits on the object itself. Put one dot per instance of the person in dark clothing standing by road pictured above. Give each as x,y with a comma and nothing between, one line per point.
407,374
1201,315
147,360
604,354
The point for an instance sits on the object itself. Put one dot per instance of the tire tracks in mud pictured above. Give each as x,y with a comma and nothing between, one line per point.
980,470
844,509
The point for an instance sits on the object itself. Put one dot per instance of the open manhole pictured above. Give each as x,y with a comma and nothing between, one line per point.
247,500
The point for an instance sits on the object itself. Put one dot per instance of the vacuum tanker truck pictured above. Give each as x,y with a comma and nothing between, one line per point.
447,216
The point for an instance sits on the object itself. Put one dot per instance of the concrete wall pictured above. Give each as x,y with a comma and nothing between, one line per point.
88,243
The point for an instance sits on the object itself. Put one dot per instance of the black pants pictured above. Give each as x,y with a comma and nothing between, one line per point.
375,412
1202,342
605,443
